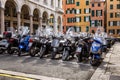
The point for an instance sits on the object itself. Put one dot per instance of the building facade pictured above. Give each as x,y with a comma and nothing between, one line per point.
69,14
77,15
97,14
31,13
113,17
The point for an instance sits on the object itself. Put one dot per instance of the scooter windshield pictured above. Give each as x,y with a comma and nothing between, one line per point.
70,33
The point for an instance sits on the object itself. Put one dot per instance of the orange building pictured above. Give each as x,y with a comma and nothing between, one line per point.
97,14
77,15
69,14
113,17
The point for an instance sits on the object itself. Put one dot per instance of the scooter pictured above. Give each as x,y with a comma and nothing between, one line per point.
24,44
96,52
68,49
34,46
56,47
4,43
45,47
82,49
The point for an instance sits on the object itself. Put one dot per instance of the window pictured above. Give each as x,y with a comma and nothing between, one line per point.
78,11
114,23
118,31
73,11
117,14
118,23
87,28
118,6
87,18
78,28
92,4
87,2
111,15
93,23
70,1
99,4
77,3
111,6
93,12
87,10
98,12
111,23
78,19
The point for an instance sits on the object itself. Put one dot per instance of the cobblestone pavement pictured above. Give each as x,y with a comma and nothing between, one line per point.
69,70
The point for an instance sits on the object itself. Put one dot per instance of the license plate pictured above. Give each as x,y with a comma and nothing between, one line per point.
79,49
30,44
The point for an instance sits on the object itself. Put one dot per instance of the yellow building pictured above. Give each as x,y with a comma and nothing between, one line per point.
77,15
113,17
83,15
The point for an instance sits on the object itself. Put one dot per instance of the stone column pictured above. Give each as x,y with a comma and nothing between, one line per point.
55,26
31,24
2,20
18,20
40,23
61,27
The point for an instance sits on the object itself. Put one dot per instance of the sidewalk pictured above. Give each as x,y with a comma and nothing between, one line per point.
110,68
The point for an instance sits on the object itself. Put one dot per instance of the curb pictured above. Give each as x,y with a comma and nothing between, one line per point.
101,70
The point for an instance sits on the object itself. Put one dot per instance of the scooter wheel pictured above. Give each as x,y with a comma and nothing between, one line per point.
65,55
53,55
1,51
19,53
33,52
95,62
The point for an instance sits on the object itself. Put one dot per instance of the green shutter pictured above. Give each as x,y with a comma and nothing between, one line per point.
84,18
85,11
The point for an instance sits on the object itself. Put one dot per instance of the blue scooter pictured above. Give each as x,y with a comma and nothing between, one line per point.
96,52
24,44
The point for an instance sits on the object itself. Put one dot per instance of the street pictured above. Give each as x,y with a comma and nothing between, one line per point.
68,70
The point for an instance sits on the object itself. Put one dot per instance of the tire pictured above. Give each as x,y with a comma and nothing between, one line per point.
65,55
1,51
15,51
94,62
33,51
79,57
20,52
42,52
53,55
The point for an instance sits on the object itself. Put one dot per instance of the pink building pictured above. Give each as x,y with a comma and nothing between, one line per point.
97,14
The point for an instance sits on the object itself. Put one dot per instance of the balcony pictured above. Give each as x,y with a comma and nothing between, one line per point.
59,10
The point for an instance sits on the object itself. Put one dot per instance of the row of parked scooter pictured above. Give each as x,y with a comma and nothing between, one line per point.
67,45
